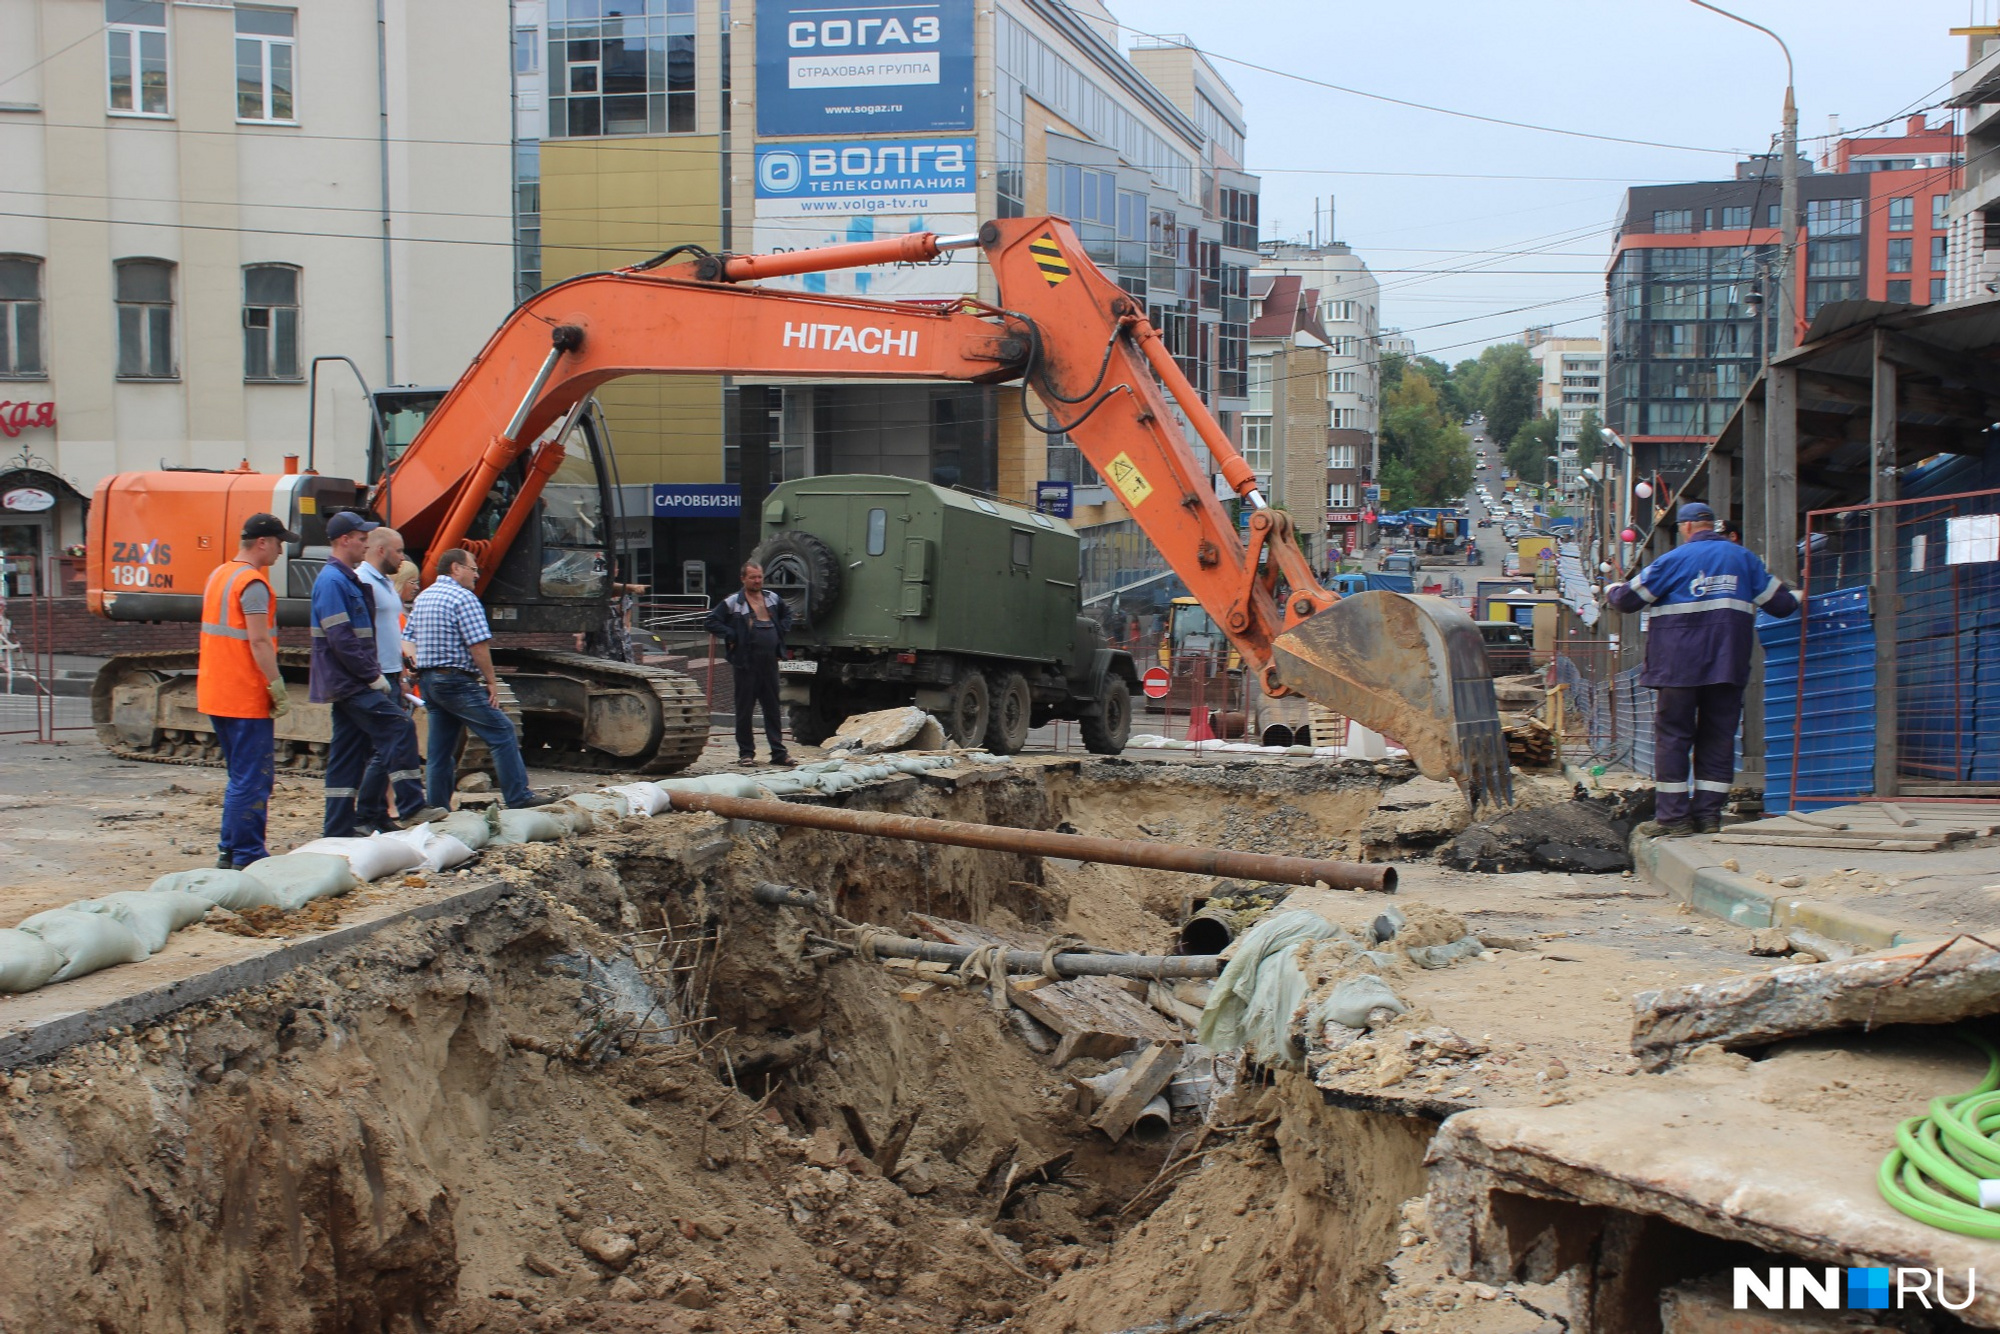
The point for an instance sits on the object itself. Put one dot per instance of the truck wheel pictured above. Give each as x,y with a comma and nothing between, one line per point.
1106,733
964,716
802,570
1007,717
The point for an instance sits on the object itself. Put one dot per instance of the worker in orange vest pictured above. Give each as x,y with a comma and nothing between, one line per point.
238,685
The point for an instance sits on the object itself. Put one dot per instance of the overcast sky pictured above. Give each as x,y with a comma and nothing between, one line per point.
1659,70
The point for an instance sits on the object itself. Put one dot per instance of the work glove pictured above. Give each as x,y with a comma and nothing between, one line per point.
281,698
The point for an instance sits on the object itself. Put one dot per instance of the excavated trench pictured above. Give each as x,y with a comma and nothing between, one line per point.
627,1097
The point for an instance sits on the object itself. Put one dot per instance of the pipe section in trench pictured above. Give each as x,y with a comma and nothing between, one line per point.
1044,843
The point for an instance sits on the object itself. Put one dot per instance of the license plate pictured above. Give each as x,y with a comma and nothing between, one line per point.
798,667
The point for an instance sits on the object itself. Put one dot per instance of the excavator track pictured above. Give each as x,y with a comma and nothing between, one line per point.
142,708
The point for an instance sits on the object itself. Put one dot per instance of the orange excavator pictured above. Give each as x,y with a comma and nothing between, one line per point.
491,469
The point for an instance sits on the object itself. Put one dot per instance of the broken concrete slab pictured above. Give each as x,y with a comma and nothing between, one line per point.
1925,983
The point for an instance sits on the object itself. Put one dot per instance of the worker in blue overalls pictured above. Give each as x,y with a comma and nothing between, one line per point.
1702,600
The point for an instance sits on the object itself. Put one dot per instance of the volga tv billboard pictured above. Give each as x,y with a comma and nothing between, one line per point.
827,68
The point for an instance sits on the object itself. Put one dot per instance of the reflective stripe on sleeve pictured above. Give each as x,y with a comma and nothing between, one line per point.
1770,591
1709,604
1638,585
338,618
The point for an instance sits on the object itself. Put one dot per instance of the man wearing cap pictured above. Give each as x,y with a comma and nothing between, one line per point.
238,686
1702,598
347,674
380,559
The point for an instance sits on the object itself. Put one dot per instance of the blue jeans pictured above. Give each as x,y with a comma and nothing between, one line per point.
246,749
366,725
457,700
371,800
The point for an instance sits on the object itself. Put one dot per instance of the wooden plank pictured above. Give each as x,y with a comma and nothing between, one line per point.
948,932
1923,983
1091,1016
1851,844
1897,815
1143,1080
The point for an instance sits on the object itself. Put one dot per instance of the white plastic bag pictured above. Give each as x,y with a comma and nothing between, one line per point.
297,878
530,826
440,851
87,941
26,960
644,798
152,916
370,858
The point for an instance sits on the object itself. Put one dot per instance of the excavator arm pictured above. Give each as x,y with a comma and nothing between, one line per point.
1411,667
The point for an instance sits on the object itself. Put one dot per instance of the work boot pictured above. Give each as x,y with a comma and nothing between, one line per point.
223,862
783,757
536,799
1708,824
424,816
1666,829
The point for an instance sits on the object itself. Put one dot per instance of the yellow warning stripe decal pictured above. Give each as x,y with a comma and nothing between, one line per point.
1049,259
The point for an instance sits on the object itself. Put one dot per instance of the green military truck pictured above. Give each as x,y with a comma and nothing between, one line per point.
907,593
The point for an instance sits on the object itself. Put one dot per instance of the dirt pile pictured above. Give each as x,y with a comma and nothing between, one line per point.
1582,834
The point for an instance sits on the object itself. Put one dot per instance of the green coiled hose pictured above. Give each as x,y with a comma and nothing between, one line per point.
1933,1173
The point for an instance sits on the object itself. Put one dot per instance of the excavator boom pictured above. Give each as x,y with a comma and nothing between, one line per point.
1413,668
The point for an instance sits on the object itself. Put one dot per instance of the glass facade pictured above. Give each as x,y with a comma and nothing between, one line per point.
620,67
1686,341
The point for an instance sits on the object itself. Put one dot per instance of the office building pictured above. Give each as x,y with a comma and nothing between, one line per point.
1692,300
208,199
1349,304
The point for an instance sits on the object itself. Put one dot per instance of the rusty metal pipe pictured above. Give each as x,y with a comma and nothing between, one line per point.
1042,843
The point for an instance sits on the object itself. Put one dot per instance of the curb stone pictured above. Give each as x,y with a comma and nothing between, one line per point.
1682,868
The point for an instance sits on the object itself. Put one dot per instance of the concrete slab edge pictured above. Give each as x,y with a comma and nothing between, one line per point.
54,1035
1681,868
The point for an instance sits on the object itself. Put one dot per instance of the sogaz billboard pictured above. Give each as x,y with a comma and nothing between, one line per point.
831,68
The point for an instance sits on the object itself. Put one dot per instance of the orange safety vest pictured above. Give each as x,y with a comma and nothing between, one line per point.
230,684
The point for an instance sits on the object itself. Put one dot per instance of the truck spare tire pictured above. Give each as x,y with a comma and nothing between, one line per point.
802,570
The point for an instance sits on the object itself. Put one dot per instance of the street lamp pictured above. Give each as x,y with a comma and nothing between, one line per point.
1788,196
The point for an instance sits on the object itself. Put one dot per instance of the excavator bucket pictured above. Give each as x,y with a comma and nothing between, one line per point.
1413,669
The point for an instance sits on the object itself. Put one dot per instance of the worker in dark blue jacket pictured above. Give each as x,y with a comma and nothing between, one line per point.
1701,600
347,674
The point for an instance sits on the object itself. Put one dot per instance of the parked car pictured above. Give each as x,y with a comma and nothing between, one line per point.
1485,521
1508,647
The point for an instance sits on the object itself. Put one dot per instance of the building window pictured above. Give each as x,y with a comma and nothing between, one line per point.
264,64
135,45
1340,496
1345,346
1902,253
1939,246
621,67
1257,442
1938,219
1736,219
270,322
145,293
1937,291
1833,217
1083,194
1067,464
1773,217
1337,312
1673,220
1344,382
527,51
1347,419
1340,456
1902,214
21,318
1899,290
1260,384
1238,211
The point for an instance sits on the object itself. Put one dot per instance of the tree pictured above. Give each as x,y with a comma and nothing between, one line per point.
1528,453
1509,384
1391,370
1589,440
1426,458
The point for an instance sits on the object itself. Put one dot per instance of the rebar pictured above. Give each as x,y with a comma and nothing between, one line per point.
1222,862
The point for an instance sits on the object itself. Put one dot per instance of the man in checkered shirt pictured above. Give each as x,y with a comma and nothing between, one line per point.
460,690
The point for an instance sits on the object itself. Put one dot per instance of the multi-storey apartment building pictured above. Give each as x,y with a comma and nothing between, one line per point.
208,198
1286,435
1572,379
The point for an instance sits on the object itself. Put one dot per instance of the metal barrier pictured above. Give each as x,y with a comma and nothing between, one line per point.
1897,662
29,589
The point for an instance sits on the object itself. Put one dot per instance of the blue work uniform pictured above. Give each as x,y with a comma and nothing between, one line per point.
366,720
1702,600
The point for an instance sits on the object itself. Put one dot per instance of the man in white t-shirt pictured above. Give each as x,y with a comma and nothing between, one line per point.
383,556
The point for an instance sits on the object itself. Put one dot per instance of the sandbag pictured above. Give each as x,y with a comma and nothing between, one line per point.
643,798
369,858
225,889
531,826
439,851
87,941
606,806
152,917
469,827
574,819
26,960
297,878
